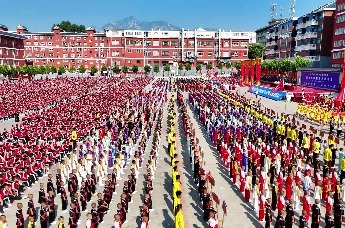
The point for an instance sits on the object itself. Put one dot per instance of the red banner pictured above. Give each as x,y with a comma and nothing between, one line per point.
215,198
225,208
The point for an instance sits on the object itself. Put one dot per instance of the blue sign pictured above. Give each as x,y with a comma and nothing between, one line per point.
267,92
321,80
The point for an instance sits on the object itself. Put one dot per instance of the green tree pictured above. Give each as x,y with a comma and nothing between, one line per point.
180,68
13,71
209,66
198,67
116,69
53,69
104,68
228,65
48,69
302,62
256,50
167,68
188,67
67,26
82,69
42,69
220,66
72,69
156,68
23,70
61,70
93,70
135,68
147,69
237,65
125,69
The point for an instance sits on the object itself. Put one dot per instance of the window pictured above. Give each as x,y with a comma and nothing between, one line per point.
155,53
115,53
209,43
245,54
200,43
209,54
190,43
165,43
129,50
115,42
138,51
155,43
234,54
148,53
235,43
129,42
165,53
226,54
244,44
200,53
226,44
129,61
174,43
175,53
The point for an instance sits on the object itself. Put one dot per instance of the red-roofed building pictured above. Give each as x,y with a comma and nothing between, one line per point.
11,47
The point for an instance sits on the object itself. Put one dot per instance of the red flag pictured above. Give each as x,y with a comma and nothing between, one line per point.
225,207
279,87
215,198
250,87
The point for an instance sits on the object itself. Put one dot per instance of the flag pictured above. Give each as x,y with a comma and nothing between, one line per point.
251,87
279,87
225,207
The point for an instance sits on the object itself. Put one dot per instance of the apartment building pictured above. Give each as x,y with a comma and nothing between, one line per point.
338,45
309,36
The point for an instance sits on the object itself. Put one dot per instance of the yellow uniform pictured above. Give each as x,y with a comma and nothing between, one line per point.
305,142
177,201
293,135
74,135
179,221
177,187
343,164
327,154
316,147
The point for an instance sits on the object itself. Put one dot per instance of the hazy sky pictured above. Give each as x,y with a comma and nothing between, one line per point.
39,15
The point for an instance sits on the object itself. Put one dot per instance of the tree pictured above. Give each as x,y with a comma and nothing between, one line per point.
180,67
125,69
82,69
48,69
42,70
53,69
209,66
156,69
72,69
93,70
188,67
61,70
220,66
238,65
67,26
167,68
135,68
256,50
198,67
104,68
147,69
302,62
228,65
116,69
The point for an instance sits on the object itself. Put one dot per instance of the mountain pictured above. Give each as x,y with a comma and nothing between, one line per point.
134,24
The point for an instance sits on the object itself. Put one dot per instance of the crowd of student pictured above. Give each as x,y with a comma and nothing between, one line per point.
29,149
279,166
22,96
201,178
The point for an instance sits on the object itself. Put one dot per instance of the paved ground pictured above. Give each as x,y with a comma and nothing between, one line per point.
240,213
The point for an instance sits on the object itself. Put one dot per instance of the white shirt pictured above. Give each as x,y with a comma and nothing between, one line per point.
88,223
212,222
117,224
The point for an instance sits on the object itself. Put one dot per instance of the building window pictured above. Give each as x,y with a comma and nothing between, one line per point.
129,50
234,54
200,43
226,43
235,43
200,53
155,43
155,53
148,53
165,53
175,53
226,54
174,43
129,61
129,42
115,42
244,44
190,43
209,43
165,43
209,54
115,53
138,51
245,54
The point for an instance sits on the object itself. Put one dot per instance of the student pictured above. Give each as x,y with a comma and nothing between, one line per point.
61,222
19,215
31,223
89,223
179,221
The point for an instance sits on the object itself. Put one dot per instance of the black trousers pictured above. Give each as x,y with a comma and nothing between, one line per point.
44,224
64,204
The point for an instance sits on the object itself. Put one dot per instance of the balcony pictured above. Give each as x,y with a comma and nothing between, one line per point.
312,22
311,35
311,47
302,25
313,58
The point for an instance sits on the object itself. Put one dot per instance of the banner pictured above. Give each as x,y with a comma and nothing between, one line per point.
267,92
321,80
